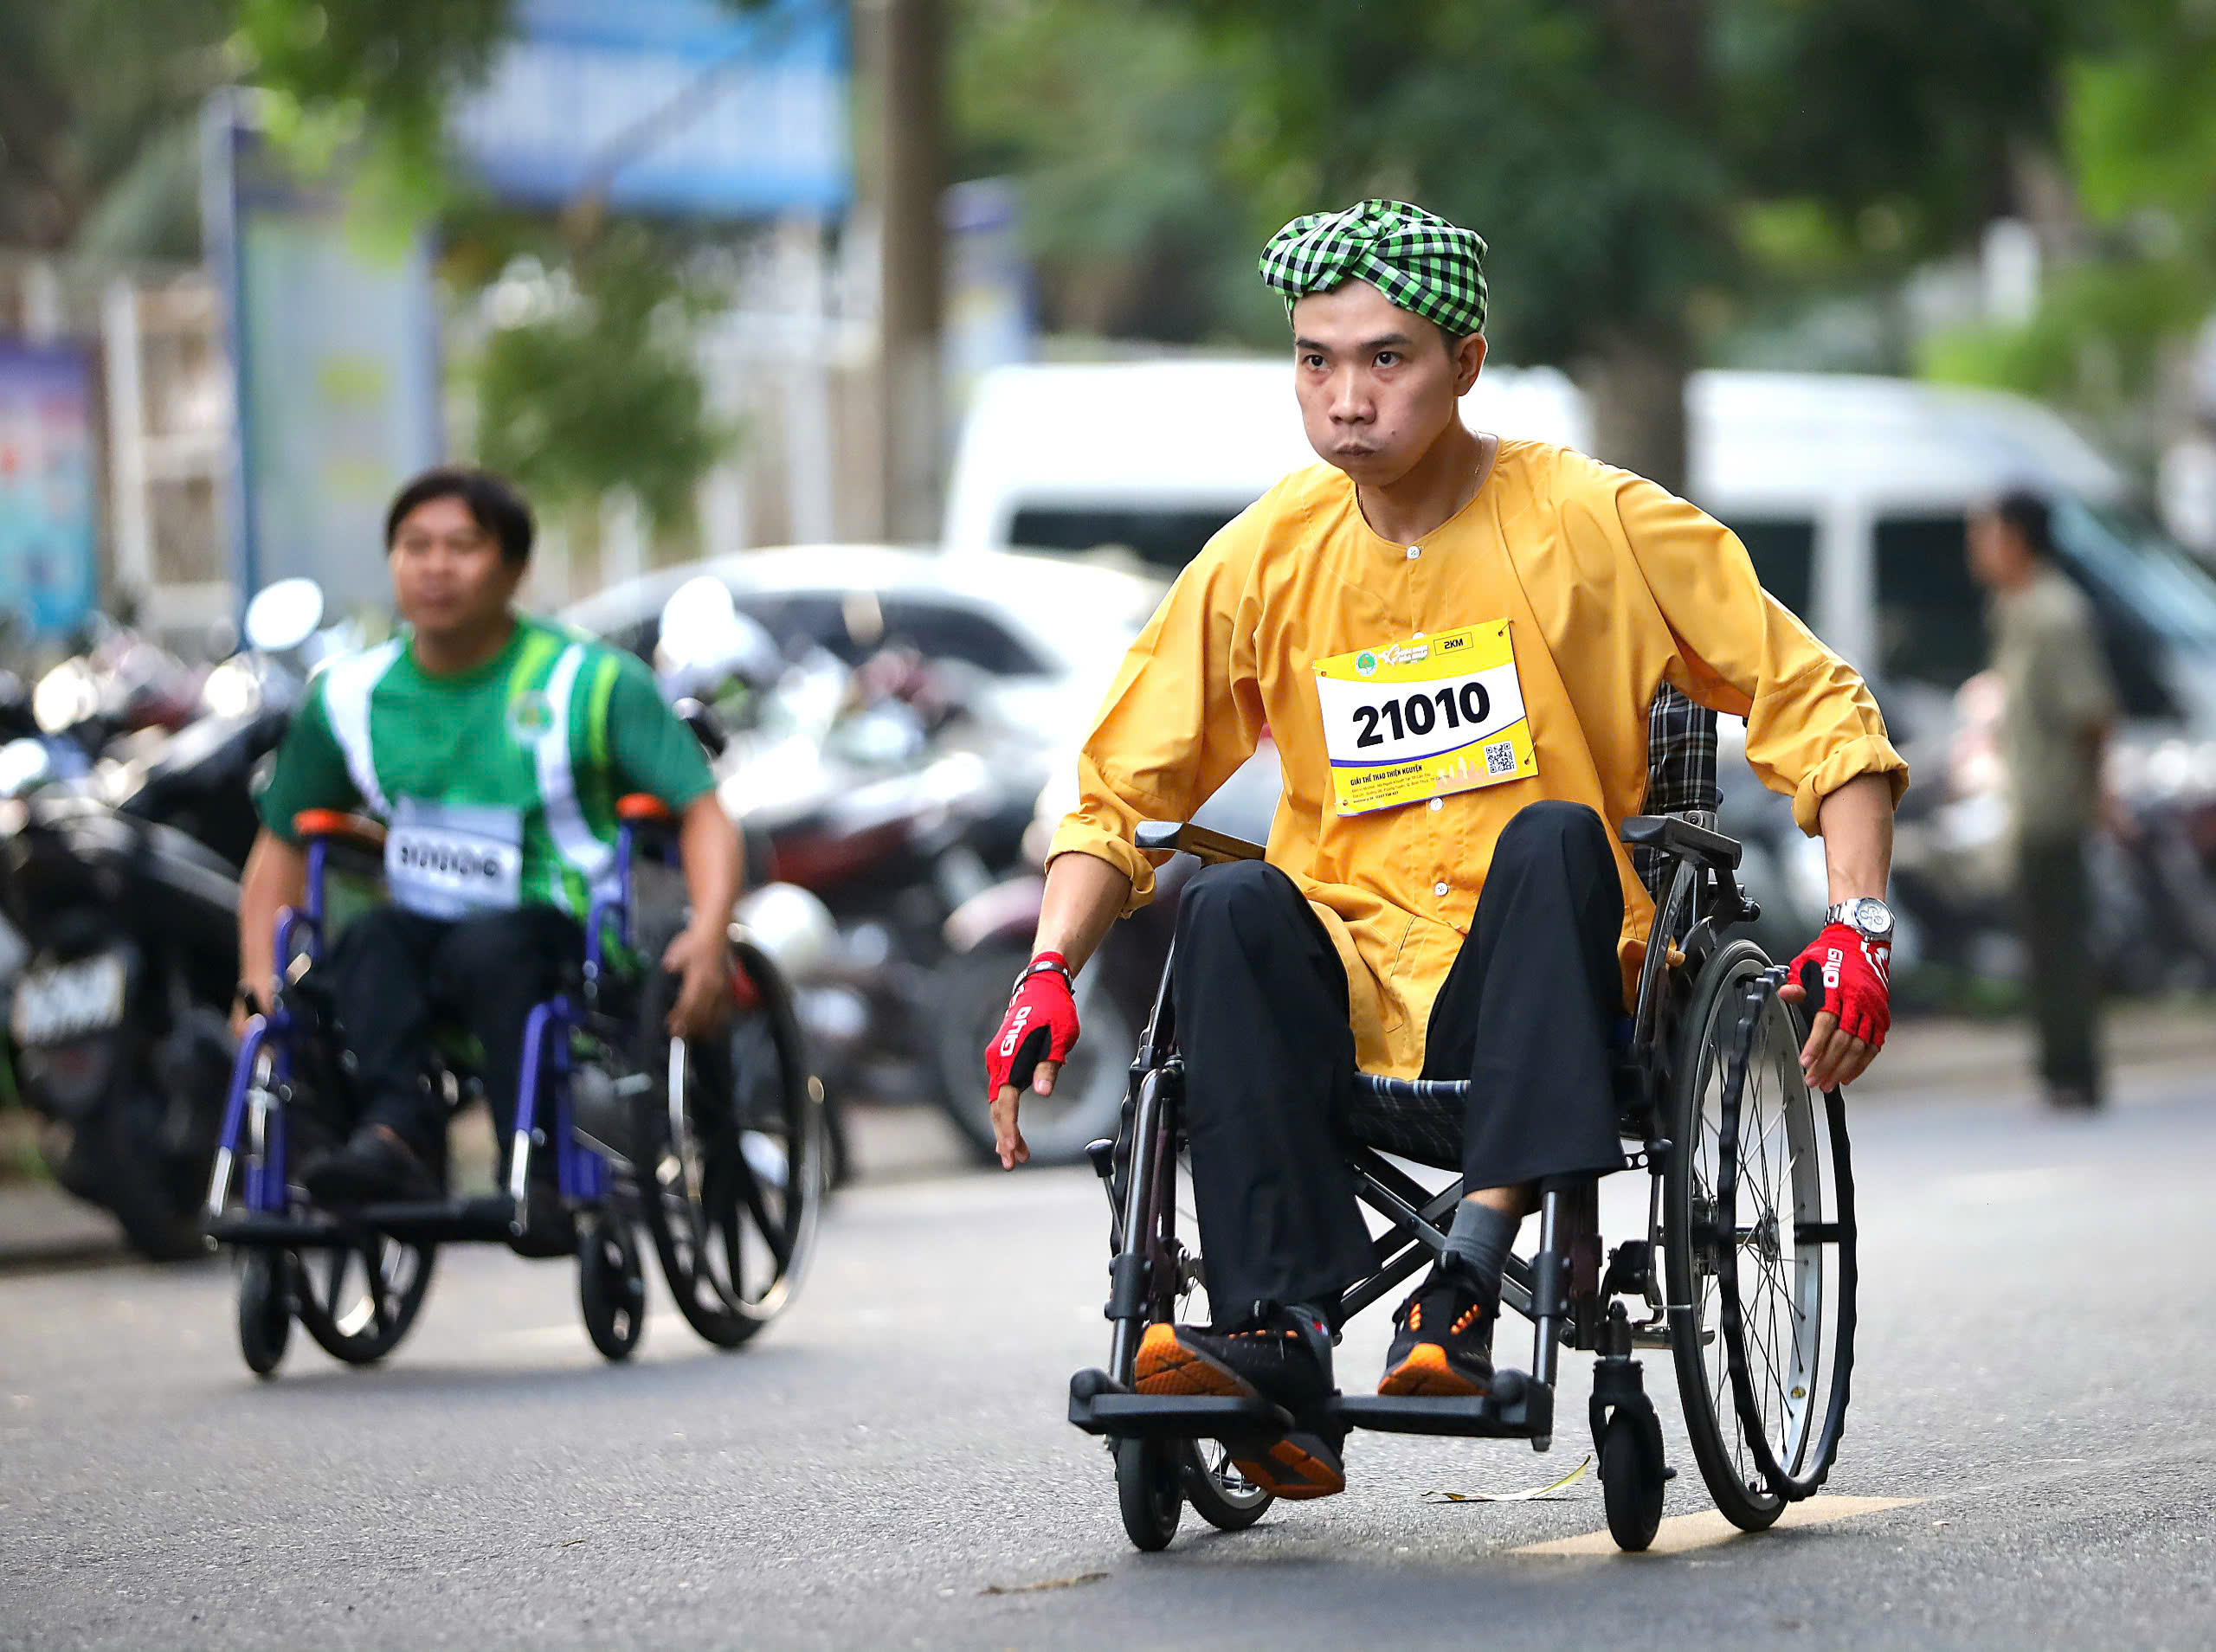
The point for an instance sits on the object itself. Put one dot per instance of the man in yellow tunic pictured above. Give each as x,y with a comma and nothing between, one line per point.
1455,639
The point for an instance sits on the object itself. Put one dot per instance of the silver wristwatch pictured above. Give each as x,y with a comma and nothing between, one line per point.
1865,915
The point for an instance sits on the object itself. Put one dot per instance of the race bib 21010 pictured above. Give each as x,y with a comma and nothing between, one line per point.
1425,717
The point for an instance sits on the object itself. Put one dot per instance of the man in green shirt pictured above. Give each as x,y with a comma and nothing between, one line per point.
495,747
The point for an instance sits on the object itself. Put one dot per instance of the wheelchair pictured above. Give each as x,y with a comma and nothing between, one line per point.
715,1147
1745,1271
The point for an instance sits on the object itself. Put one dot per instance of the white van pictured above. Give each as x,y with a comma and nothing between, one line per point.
1850,493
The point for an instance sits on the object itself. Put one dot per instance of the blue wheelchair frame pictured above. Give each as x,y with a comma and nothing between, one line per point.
276,1283
583,1174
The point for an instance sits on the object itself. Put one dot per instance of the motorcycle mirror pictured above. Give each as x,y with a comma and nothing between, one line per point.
705,641
284,615
706,726
25,765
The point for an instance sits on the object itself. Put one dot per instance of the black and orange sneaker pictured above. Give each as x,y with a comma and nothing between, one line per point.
1442,1348
1285,1358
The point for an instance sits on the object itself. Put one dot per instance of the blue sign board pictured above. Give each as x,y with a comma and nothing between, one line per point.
668,106
47,559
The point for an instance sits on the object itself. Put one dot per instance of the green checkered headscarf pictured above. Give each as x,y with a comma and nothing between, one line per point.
1416,259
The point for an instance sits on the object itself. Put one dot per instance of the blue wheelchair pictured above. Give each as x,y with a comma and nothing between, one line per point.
714,1146
1745,1269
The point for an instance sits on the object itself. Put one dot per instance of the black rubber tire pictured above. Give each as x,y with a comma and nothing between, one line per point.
1711,1426
140,1186
265,1309
760,1068
346,1337
1228,1509
1150,1491
1631,1478
611,1285
1088,1098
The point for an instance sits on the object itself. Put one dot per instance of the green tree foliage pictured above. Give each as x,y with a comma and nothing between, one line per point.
98,112
1115,121
1611,150
2138,118
590,388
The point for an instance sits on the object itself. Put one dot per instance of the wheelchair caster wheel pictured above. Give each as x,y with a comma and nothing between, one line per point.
1631,1477
1150,1490
611,1285
265,1309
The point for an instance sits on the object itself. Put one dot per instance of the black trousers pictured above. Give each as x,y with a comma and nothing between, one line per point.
393,973
2065,988
1527,1014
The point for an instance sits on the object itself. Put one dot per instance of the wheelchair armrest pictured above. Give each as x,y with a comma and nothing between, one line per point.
1682,839
1174,837
358,830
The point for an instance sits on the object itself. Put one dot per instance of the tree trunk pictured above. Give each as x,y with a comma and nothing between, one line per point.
910,173
1634,385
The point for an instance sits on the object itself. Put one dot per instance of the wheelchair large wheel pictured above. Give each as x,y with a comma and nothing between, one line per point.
1763,1404
359,1299
730,1144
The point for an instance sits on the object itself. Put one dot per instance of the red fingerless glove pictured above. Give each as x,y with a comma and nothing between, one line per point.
1040,1025
1858,986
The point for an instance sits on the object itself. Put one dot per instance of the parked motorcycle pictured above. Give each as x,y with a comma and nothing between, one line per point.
867,822
124,882
990,938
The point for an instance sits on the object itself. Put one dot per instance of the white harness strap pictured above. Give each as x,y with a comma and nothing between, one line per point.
583,852
347,685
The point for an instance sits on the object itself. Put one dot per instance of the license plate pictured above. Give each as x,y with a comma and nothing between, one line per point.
61,1001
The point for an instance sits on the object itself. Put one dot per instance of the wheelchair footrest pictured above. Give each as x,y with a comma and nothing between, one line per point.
447,1221
259,1229
1100,1405
1518,1409
442,1221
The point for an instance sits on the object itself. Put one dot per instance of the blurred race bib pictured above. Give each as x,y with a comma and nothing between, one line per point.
448,860
1425,717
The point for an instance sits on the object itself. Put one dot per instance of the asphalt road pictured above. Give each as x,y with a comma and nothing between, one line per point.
888,1466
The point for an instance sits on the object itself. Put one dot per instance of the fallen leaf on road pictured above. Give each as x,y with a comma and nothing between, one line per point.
1039,1588
1536,1493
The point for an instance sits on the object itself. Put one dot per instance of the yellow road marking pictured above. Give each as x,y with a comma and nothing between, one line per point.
1705,1531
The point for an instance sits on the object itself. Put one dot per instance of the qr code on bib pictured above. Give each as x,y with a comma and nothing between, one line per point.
1500,757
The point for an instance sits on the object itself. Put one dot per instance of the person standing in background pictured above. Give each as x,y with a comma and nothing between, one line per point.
2061,705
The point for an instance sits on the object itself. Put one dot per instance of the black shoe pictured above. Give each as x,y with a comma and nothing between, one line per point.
1285,1358
1442,1346
375,1168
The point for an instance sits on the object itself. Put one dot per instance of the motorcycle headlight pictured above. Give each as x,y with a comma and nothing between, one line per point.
233,690
65,697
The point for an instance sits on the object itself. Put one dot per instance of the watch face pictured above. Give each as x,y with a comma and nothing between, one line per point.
1870,916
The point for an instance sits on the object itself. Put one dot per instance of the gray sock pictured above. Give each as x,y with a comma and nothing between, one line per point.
1479,1242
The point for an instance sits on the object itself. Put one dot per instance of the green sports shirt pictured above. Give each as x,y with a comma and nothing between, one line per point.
546,736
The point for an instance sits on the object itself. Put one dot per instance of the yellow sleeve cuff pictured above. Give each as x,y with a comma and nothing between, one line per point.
1077,835
1869,754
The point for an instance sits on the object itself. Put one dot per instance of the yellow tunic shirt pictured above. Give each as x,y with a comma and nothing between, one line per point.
1610,585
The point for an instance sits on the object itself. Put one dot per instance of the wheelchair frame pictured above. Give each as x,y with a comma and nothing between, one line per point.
593,1180
1562,1288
